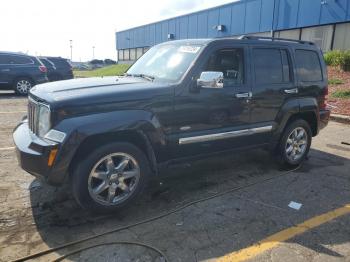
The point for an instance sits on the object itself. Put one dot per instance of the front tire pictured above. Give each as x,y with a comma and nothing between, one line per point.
22,85
295,143
110,177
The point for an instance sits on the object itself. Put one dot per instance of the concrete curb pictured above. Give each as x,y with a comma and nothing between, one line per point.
340,118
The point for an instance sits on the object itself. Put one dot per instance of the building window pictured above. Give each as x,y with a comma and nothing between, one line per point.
145,49
120,55
289,34
139,53
342,37
126,54
320,35
308,66
271,66
132,54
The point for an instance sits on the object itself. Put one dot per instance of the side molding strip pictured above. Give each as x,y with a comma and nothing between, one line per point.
231,134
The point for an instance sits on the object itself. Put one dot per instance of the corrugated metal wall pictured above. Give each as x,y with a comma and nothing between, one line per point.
242,17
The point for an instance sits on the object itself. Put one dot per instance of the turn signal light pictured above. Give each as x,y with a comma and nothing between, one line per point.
52,157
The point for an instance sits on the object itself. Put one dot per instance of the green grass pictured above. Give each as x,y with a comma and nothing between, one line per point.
112,70
335,81
341,94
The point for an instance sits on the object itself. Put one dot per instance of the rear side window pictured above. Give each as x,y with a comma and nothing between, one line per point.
15,60
20,60
271,66
4,59
308,66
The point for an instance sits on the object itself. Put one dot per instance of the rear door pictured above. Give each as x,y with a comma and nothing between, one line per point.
273,85
5,69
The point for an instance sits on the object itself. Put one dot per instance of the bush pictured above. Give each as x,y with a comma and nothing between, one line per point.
338,58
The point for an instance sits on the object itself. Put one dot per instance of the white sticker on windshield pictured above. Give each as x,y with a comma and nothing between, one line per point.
189,49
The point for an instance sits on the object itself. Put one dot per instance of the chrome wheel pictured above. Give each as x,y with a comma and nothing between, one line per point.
113,179
23,86
296,144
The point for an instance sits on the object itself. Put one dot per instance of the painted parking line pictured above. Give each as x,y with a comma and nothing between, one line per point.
276,239
7,148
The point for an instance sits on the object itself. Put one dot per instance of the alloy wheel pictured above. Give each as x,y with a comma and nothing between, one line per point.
113,179
296,144
23,86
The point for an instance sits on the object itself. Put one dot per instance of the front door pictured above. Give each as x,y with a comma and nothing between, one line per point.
213,119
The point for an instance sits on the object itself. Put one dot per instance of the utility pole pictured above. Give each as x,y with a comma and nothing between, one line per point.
71,49
93,52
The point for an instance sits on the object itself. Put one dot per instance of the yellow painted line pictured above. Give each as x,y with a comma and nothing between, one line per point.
276,239
7,148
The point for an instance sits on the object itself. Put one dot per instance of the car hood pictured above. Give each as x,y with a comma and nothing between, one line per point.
95,90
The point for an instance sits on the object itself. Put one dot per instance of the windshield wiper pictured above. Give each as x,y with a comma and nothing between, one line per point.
147,77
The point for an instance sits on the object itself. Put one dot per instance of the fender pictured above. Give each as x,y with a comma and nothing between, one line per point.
79,128
290,108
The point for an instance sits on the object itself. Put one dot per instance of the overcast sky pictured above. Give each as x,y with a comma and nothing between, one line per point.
44,27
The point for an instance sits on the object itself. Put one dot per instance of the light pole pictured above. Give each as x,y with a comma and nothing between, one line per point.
71,49
93,52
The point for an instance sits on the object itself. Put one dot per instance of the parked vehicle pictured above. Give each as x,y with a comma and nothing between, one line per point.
181,100
20,72
58,68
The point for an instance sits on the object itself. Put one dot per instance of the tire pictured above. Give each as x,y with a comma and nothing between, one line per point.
105,160
295,143
22,85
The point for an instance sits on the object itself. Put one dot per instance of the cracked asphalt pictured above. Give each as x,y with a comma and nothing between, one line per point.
35,217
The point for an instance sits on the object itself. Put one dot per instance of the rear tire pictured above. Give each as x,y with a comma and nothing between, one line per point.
22,85
295,143
110,177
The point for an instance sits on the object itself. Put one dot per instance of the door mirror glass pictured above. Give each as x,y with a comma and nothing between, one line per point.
211,79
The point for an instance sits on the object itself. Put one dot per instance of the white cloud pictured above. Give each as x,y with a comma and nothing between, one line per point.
44,27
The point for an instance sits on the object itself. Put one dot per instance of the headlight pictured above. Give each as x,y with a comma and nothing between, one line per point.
44,120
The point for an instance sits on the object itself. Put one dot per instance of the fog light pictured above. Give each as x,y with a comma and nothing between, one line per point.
52,156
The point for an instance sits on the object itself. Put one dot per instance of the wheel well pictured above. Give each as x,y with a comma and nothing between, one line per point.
136,138
22,76
309,117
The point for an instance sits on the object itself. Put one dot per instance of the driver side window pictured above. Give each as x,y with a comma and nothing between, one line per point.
230,62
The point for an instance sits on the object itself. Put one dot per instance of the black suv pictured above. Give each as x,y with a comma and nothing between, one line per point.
181,100
58,68
20,72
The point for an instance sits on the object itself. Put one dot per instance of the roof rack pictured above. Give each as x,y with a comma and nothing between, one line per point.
274,39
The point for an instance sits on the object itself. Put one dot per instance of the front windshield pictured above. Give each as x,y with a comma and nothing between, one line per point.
167,62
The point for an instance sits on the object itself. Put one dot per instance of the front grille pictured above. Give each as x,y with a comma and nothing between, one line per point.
33,112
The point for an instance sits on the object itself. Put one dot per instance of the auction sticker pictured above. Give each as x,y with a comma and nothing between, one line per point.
189,49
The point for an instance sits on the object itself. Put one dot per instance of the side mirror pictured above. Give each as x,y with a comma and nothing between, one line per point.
211,79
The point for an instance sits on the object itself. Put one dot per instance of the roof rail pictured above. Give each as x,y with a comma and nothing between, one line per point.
274,39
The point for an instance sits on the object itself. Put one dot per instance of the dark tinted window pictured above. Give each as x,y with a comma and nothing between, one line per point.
20,60
271,66
59,62
308,66
15,60
230,63
4,59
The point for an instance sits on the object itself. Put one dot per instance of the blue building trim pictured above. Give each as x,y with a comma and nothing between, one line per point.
241,17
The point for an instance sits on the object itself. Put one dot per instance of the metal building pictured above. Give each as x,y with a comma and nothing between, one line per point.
325,22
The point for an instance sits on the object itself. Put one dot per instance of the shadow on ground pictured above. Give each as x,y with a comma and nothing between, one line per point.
209,229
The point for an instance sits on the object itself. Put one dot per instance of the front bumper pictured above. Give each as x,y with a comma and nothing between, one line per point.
33,155
324,118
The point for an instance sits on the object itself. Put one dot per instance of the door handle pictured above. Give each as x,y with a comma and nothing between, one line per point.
5,70
244,95
291,91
